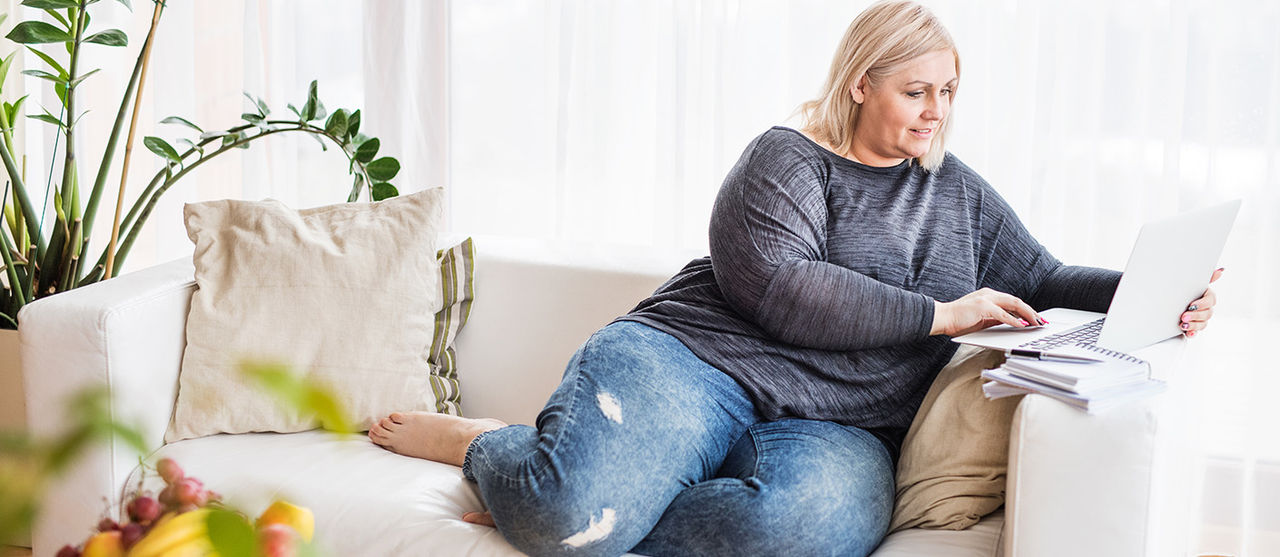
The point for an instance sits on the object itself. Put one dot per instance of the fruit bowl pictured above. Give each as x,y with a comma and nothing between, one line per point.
186,519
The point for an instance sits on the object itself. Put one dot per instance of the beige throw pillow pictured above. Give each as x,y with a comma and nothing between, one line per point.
952,469
345,294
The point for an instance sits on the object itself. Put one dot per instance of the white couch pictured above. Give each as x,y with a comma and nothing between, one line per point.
1077,484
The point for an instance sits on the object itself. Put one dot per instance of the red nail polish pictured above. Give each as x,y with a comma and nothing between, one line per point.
1024,322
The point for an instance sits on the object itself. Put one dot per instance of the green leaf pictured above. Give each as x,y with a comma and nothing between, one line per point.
78,79
45,75
37,32
51,4
320,112
211,135
229,138
258,104
252,117
11,110
110,37
185,122
383,169
337,124
130,437
299,394
355,188
353,123
162,148
61,90
383,190
191,145
58,16
295,111
49,60
309,108
323,146
367,150
46,118
231,533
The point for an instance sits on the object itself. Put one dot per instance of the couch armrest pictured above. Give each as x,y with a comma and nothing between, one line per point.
126,334
1079,484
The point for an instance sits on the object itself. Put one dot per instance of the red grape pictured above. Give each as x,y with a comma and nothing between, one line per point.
169,471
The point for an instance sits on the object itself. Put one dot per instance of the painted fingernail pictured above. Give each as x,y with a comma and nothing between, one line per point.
1191,333
1185,325
1042,321
1192,307
1024,322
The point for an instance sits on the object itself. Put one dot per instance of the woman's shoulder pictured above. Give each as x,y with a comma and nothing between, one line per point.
783,150
954,168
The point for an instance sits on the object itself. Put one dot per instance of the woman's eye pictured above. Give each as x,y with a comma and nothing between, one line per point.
946,92
915,94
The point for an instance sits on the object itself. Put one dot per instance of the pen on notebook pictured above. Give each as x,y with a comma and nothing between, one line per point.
1038,355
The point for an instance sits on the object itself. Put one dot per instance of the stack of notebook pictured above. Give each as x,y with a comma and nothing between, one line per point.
1107,379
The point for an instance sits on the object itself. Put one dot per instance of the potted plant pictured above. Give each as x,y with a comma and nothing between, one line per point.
43,260
44,254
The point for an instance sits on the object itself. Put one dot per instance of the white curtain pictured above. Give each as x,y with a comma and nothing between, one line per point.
207,54
611,123
614,122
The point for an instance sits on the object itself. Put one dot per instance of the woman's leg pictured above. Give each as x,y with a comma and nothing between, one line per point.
793,487
636,419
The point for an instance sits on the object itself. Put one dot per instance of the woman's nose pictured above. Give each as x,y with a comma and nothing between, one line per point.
936,109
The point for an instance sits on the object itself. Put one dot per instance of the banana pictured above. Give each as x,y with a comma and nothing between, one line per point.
182,534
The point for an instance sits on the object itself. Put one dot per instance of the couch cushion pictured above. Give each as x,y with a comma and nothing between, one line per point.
370,501
345,294
952,469
980,540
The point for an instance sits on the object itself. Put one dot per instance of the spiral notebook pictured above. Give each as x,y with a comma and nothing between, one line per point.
1116,369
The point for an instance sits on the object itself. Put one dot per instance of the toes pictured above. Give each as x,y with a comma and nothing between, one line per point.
396,417
389,425
483,519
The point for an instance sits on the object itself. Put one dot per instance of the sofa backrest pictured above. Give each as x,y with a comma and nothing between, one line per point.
528,319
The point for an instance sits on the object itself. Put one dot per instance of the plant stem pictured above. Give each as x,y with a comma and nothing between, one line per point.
147,202
56,267
24,202
128,142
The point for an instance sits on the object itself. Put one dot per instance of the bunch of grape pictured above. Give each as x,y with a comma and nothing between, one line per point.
153,518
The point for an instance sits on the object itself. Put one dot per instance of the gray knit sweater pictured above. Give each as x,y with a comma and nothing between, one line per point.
818,294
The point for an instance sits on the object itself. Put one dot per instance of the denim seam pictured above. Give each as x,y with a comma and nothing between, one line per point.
759,463
466,459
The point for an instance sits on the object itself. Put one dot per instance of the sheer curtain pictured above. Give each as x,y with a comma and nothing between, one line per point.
611,123
614,122
385,58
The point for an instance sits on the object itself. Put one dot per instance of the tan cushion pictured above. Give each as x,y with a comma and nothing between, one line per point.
952,469
345,294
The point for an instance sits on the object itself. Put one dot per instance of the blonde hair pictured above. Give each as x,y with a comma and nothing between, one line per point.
880,42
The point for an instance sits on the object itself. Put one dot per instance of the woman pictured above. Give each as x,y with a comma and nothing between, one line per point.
756,403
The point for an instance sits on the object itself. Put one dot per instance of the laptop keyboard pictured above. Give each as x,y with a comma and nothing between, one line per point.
1086,334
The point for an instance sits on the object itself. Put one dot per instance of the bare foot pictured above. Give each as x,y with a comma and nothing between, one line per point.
483,519
428,435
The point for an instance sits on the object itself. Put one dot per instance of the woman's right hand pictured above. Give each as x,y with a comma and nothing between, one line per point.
981,309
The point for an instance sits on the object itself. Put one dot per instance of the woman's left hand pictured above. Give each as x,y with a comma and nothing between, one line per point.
1196,318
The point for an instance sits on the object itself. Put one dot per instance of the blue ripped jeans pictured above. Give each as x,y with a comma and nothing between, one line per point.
646,448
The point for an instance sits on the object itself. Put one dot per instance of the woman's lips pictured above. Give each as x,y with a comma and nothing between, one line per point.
922,133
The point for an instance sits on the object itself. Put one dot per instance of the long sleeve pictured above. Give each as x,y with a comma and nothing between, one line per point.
1020,265
768,246
1084,288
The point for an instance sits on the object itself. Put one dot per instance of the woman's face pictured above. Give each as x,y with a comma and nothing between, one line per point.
900,116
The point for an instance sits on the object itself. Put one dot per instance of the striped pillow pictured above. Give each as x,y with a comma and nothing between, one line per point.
457,270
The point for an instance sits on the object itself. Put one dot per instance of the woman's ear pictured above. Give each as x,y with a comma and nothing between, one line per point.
858,89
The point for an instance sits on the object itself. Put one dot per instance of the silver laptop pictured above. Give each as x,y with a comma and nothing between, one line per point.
1168,269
